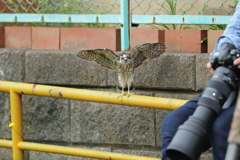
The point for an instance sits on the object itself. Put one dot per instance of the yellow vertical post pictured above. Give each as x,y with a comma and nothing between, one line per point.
17,128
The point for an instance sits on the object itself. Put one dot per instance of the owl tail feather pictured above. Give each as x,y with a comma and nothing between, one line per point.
119,88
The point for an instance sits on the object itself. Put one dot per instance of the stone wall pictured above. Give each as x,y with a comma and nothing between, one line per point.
105,127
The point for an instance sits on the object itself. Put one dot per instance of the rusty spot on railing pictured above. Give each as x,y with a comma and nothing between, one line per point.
60,94
50,92
34,86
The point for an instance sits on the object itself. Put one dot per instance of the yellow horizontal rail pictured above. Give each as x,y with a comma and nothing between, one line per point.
5,143
79,152
90,95
17,89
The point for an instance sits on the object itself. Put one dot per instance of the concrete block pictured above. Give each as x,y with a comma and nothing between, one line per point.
161,114
185,95
18,37
47,156
46,119
169,71
62,68
112,124
51,156
6,154
5,131
12,65
46,38
203,74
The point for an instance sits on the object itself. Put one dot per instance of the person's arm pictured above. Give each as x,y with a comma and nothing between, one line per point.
231,35
232,32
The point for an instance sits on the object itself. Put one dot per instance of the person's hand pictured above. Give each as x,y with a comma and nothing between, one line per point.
209,66
236,62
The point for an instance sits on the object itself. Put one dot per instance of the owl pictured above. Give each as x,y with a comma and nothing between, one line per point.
125,63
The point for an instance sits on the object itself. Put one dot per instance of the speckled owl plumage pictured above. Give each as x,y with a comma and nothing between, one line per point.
125,63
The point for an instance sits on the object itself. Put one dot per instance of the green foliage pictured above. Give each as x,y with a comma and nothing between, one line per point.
170,8
217,27
235,2
204,39
61,7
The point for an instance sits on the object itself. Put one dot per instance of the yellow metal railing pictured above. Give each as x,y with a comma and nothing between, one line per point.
18,145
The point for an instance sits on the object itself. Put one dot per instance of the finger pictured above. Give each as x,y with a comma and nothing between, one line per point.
236,61
209,66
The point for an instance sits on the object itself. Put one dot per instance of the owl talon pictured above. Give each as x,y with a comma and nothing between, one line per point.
121,97
125,94
129,94
122,94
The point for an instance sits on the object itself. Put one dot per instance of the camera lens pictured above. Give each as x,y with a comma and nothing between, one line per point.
191,138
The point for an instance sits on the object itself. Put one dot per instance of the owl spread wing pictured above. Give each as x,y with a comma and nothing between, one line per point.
146,51
105,57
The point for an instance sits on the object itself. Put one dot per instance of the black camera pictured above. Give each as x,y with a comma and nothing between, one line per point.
191,138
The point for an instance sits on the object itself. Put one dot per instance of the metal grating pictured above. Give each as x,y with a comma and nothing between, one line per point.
60,6
183,7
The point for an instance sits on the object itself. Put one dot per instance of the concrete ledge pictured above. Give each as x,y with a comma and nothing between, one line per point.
203,74
169,71
62,68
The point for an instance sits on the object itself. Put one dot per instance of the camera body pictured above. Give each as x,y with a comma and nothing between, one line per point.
191,138
225,57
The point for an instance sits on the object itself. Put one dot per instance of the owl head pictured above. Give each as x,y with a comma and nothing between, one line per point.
125,58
